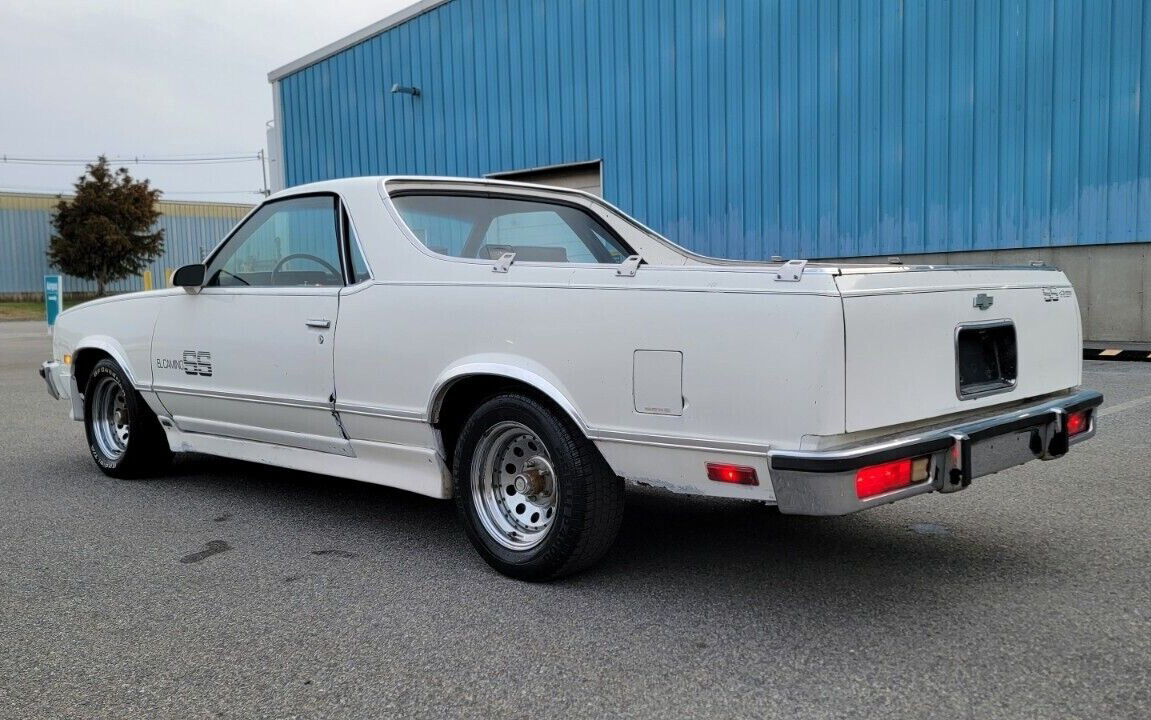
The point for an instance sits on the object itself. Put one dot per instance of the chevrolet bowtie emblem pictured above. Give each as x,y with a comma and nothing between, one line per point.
983,301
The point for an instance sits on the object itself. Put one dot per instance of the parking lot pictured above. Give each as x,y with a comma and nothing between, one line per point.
234,590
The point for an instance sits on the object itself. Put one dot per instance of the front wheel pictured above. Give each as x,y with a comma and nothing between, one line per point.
124,436
534,495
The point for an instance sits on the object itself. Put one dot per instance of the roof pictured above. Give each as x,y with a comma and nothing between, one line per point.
355,38
375,181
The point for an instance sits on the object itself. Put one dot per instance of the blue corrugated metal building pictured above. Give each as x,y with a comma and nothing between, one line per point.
190,230
751,128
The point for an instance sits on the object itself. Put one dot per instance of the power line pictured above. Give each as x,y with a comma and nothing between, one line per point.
218,159
214,192
57,190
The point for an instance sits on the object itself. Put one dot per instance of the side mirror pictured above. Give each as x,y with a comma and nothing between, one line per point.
190,277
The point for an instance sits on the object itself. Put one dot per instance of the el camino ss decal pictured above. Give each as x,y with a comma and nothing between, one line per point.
194,362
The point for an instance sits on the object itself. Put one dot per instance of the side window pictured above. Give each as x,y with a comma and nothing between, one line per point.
487,227
359,266
288,243
435,224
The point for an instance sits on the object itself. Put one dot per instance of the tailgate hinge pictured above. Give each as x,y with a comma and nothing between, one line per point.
629,267
790,271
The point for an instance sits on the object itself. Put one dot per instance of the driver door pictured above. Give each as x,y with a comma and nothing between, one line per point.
251,355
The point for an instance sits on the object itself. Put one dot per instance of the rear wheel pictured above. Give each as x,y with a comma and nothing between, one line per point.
534,495
124,436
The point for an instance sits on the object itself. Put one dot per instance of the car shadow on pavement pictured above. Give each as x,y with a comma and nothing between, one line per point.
827,567
747,548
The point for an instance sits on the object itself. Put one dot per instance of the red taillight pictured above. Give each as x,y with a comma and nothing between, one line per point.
1077,423
878,479
735,474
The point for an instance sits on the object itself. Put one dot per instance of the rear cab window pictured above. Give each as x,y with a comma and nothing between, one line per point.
487,227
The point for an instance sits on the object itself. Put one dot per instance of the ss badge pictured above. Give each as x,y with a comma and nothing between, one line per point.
198,362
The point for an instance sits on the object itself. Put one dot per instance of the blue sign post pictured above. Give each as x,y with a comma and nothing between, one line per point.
53,298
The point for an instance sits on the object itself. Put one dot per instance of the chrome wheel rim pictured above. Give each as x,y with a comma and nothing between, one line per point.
514,487
110,421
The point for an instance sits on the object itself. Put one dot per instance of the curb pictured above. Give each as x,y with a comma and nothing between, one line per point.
1116,354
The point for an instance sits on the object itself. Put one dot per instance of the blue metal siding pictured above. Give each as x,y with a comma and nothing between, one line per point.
190,231
750,128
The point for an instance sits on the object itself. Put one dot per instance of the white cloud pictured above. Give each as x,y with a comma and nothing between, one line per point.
154,77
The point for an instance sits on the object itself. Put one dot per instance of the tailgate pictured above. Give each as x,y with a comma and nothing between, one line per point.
923,343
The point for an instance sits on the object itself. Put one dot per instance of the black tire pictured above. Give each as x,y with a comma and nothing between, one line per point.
588,496
143,450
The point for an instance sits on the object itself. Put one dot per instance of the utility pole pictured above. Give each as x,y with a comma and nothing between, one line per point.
264,169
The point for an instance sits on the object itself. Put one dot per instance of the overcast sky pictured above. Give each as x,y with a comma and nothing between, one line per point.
154,78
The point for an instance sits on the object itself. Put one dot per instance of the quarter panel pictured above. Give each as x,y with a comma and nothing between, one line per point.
762,362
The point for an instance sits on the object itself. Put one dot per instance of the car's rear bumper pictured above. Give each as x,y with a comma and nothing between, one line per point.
824,482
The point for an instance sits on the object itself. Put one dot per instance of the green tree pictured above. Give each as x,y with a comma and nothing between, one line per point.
105,232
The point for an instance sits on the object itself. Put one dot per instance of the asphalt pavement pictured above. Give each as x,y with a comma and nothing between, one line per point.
226,589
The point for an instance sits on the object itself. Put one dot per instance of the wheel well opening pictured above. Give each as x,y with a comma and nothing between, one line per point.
82,363
466,394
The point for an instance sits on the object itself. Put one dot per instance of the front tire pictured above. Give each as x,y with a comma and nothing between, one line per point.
124,436
535,497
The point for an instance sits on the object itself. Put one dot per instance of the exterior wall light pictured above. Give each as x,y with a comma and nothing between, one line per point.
406,90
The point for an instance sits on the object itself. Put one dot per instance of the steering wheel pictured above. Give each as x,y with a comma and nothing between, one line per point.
303,256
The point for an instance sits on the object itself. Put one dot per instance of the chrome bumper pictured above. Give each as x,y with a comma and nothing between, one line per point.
62,386
823,482
50,371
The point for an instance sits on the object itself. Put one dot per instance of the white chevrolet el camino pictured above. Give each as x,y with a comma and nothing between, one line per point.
526,350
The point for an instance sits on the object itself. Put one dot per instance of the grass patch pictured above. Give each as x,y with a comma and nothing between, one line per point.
21,310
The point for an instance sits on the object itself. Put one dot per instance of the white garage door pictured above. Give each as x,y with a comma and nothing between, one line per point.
582,176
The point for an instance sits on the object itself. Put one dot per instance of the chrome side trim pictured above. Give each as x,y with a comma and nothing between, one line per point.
303,441
386,413
848,268
957,289
286,291
591,286
678,442
243,397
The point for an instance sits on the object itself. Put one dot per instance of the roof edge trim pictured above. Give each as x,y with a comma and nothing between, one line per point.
376,28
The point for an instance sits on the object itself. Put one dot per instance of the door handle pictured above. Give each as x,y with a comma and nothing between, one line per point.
320,323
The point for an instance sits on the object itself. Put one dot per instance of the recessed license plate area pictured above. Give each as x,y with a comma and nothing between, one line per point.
991,455
986,361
